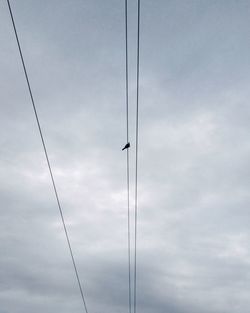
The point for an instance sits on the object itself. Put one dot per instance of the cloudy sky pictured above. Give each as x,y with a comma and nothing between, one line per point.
194,178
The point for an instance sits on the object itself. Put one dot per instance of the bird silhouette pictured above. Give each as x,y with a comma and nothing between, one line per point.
126,146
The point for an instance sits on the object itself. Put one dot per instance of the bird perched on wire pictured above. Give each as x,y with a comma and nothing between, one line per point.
126,146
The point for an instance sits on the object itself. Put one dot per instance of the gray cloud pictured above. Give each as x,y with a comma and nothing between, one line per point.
193,235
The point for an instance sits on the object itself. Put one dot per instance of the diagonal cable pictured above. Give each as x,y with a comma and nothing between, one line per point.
136,149
47,159
128,178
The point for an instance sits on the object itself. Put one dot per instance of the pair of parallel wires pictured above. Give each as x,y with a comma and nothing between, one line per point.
136,159
128,178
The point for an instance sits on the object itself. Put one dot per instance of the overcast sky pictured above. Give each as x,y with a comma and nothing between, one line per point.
194,152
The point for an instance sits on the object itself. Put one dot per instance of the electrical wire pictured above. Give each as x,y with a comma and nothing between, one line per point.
47,159
128,178
136,150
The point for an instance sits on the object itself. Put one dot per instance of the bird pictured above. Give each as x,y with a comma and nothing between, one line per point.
126,146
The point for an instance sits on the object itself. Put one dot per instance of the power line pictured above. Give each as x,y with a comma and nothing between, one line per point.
136,149
128,178
47,158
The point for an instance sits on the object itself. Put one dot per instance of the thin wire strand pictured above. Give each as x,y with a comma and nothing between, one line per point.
128,176
47,159
136,151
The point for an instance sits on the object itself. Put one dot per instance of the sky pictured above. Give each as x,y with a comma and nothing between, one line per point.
193,176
